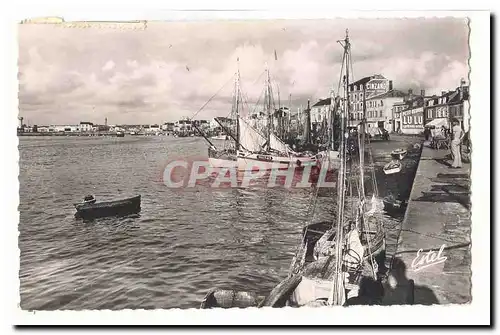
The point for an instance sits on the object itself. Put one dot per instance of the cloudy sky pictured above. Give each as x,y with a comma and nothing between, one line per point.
68,75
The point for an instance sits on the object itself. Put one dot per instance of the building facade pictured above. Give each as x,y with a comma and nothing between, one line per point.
412,116
363,89
397,108
319,111
379,109
86,126
168,126
436,110
458,105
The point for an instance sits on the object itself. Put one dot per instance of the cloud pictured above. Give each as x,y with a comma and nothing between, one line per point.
141,77
108,66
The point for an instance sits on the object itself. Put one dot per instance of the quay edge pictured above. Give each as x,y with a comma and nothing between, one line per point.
437,216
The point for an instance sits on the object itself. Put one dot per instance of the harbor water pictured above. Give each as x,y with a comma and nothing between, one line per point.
182,243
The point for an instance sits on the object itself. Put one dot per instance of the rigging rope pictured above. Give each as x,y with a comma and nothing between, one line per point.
213,96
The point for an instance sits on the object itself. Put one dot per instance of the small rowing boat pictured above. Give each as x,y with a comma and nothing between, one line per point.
92,209
218,298
399,153
393,205
393,167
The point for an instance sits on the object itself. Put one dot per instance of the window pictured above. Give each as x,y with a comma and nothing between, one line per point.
381,102
429,113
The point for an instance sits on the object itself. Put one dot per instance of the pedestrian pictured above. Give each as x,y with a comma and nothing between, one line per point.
457,136
427,133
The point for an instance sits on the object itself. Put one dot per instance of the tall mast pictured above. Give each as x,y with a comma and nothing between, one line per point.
289,112
338,293
269,116
362,152
237,105
331,139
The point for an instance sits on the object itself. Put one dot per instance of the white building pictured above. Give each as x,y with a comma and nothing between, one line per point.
379,112
154,128
363,89
319,111
182,125
64,128
43,129
86,126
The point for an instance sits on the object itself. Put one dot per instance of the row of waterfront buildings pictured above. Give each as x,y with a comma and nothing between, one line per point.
372,98
397,111
180,126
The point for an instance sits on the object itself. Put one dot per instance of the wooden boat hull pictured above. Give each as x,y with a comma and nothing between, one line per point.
266,162
399,154
222,159
392,167
394,206
109,208
218,298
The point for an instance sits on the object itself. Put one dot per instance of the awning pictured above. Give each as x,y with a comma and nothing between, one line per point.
437,123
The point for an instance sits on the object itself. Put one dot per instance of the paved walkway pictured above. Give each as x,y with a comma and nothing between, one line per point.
438,214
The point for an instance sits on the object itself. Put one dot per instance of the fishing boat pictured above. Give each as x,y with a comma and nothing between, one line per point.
225,156
276,155
216,298
92,209
393,167
393,205
399,153
267,151
335,260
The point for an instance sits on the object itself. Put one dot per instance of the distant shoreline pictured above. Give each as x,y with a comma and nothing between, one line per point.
100,134
68,134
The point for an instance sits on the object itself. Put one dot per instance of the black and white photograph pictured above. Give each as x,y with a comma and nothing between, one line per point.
246,163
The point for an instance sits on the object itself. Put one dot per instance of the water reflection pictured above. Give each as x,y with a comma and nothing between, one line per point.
182,243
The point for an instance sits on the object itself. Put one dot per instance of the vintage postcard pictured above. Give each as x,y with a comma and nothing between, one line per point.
251,165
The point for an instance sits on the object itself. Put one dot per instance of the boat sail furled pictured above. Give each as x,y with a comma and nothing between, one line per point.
335,255
267,151
227,156
334,258
254,141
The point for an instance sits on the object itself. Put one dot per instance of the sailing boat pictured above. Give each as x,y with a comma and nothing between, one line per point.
331,263
268,150
227,157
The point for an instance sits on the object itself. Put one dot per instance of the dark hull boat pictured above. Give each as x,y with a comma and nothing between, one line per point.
217,298
393,205
398,154
108,208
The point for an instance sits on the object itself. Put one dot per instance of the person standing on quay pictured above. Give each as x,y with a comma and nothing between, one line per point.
457,134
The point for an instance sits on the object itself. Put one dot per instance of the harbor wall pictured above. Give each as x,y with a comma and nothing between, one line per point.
434,241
